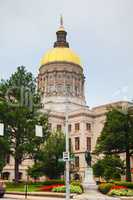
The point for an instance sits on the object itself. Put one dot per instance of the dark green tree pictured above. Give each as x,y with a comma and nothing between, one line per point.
35,171
110,167
98,169
19,113
117,135
50,159
4,151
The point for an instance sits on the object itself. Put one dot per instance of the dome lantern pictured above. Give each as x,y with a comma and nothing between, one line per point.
61,36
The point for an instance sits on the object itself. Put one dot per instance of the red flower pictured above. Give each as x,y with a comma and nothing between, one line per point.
49,187
118,187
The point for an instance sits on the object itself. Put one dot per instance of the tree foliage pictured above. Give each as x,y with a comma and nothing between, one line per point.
110,167
52,152
117,135
19,112
4,150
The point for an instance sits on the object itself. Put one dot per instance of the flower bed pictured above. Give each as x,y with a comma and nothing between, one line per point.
46,188
118,187
54,181
120,192
116,190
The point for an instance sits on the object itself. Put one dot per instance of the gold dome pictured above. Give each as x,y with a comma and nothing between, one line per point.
60,54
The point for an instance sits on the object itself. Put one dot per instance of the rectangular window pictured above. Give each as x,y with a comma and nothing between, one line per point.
88,126
88,141
70,145
69,128
76,161
49,126
77,143
58,127
77,127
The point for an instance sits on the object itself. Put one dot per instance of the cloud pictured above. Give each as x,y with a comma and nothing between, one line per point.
99,30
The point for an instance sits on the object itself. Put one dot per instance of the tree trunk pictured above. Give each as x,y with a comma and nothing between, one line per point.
128,167
16,170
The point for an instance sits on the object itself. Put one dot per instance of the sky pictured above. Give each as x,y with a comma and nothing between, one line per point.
99,31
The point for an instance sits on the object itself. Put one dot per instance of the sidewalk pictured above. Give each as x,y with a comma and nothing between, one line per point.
22,197
94,195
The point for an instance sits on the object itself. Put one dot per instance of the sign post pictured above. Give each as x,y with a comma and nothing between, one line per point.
1,129
39,131
66,156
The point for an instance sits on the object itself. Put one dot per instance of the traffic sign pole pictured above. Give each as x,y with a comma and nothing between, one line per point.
67,160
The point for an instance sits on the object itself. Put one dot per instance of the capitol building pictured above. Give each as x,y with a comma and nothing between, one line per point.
61,81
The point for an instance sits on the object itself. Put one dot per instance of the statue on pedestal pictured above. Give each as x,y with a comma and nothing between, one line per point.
89,179
88,158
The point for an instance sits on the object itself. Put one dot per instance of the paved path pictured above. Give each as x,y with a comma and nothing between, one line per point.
88,195
21,197
94,195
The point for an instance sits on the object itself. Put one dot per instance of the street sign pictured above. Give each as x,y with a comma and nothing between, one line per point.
66,156
39,131
1,129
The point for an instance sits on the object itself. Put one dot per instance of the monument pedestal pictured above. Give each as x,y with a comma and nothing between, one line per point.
89,182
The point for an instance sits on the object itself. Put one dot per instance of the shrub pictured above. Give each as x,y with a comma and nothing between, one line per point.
73,189
121,192
105,187
77,183
123,183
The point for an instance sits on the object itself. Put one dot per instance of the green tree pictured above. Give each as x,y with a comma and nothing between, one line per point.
117,135
4,150
98,169
35,171
110,167
19,113
49,160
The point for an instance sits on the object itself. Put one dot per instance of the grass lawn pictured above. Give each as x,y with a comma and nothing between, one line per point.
20,187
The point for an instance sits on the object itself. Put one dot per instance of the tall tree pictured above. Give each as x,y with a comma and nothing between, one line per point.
4,142
20,115
117,135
